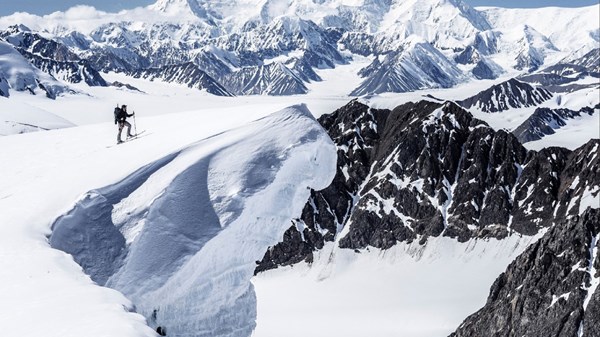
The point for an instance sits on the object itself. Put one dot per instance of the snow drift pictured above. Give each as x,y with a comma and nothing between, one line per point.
180,236
19,117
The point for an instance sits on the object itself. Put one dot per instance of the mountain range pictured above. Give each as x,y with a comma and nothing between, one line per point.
249,47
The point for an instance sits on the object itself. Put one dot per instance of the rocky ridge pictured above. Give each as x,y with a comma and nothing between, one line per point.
506,95
52,57
544,121
549,290
428,169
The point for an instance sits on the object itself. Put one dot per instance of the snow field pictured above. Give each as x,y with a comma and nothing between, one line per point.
44,292
408,290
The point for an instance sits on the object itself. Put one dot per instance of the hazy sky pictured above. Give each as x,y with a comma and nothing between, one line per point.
8,7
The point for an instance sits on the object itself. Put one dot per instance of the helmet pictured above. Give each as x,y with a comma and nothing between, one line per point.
123,106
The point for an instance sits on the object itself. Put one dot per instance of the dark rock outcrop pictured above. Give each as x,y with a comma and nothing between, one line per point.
118,84
187,74
429,169
328,210
544,121
273,79
550,289
507,95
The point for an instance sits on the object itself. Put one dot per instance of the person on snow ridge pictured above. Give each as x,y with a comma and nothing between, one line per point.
121,119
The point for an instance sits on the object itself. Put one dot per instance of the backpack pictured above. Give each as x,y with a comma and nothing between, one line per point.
117,113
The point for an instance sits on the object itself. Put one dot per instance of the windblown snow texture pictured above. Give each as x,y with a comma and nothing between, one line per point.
428,169
549,290
180,236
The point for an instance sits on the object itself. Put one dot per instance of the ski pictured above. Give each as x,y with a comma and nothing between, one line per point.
138,135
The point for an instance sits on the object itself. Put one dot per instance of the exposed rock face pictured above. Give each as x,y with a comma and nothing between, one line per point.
18,74
188,74
484,70
3,87
549,290
507,95
428,169
274,79
72,72
125,85
591,60
544,121
556,78
53,57
328,210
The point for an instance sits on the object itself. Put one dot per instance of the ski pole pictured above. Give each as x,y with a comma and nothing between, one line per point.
134,124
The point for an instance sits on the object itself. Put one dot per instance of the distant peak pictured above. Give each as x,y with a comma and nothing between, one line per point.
179,6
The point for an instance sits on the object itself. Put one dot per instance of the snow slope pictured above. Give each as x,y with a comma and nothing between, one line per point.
20,117
408,290
47,287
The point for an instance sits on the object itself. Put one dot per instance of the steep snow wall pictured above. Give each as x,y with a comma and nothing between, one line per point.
180,236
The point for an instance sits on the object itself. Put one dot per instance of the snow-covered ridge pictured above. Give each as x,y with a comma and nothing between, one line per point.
181,235
565,27
16,73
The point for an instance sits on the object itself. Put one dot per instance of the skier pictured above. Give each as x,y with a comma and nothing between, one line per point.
121,119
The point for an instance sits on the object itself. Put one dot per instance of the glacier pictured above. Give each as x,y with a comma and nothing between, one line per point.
180,236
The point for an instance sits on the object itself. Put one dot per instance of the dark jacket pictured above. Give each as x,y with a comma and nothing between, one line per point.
121,115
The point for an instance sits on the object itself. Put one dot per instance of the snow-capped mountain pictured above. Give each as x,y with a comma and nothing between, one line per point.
566,28
556,77
531,47
417,66
188,74
17,73
271,79
52,57
414,44
506,95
